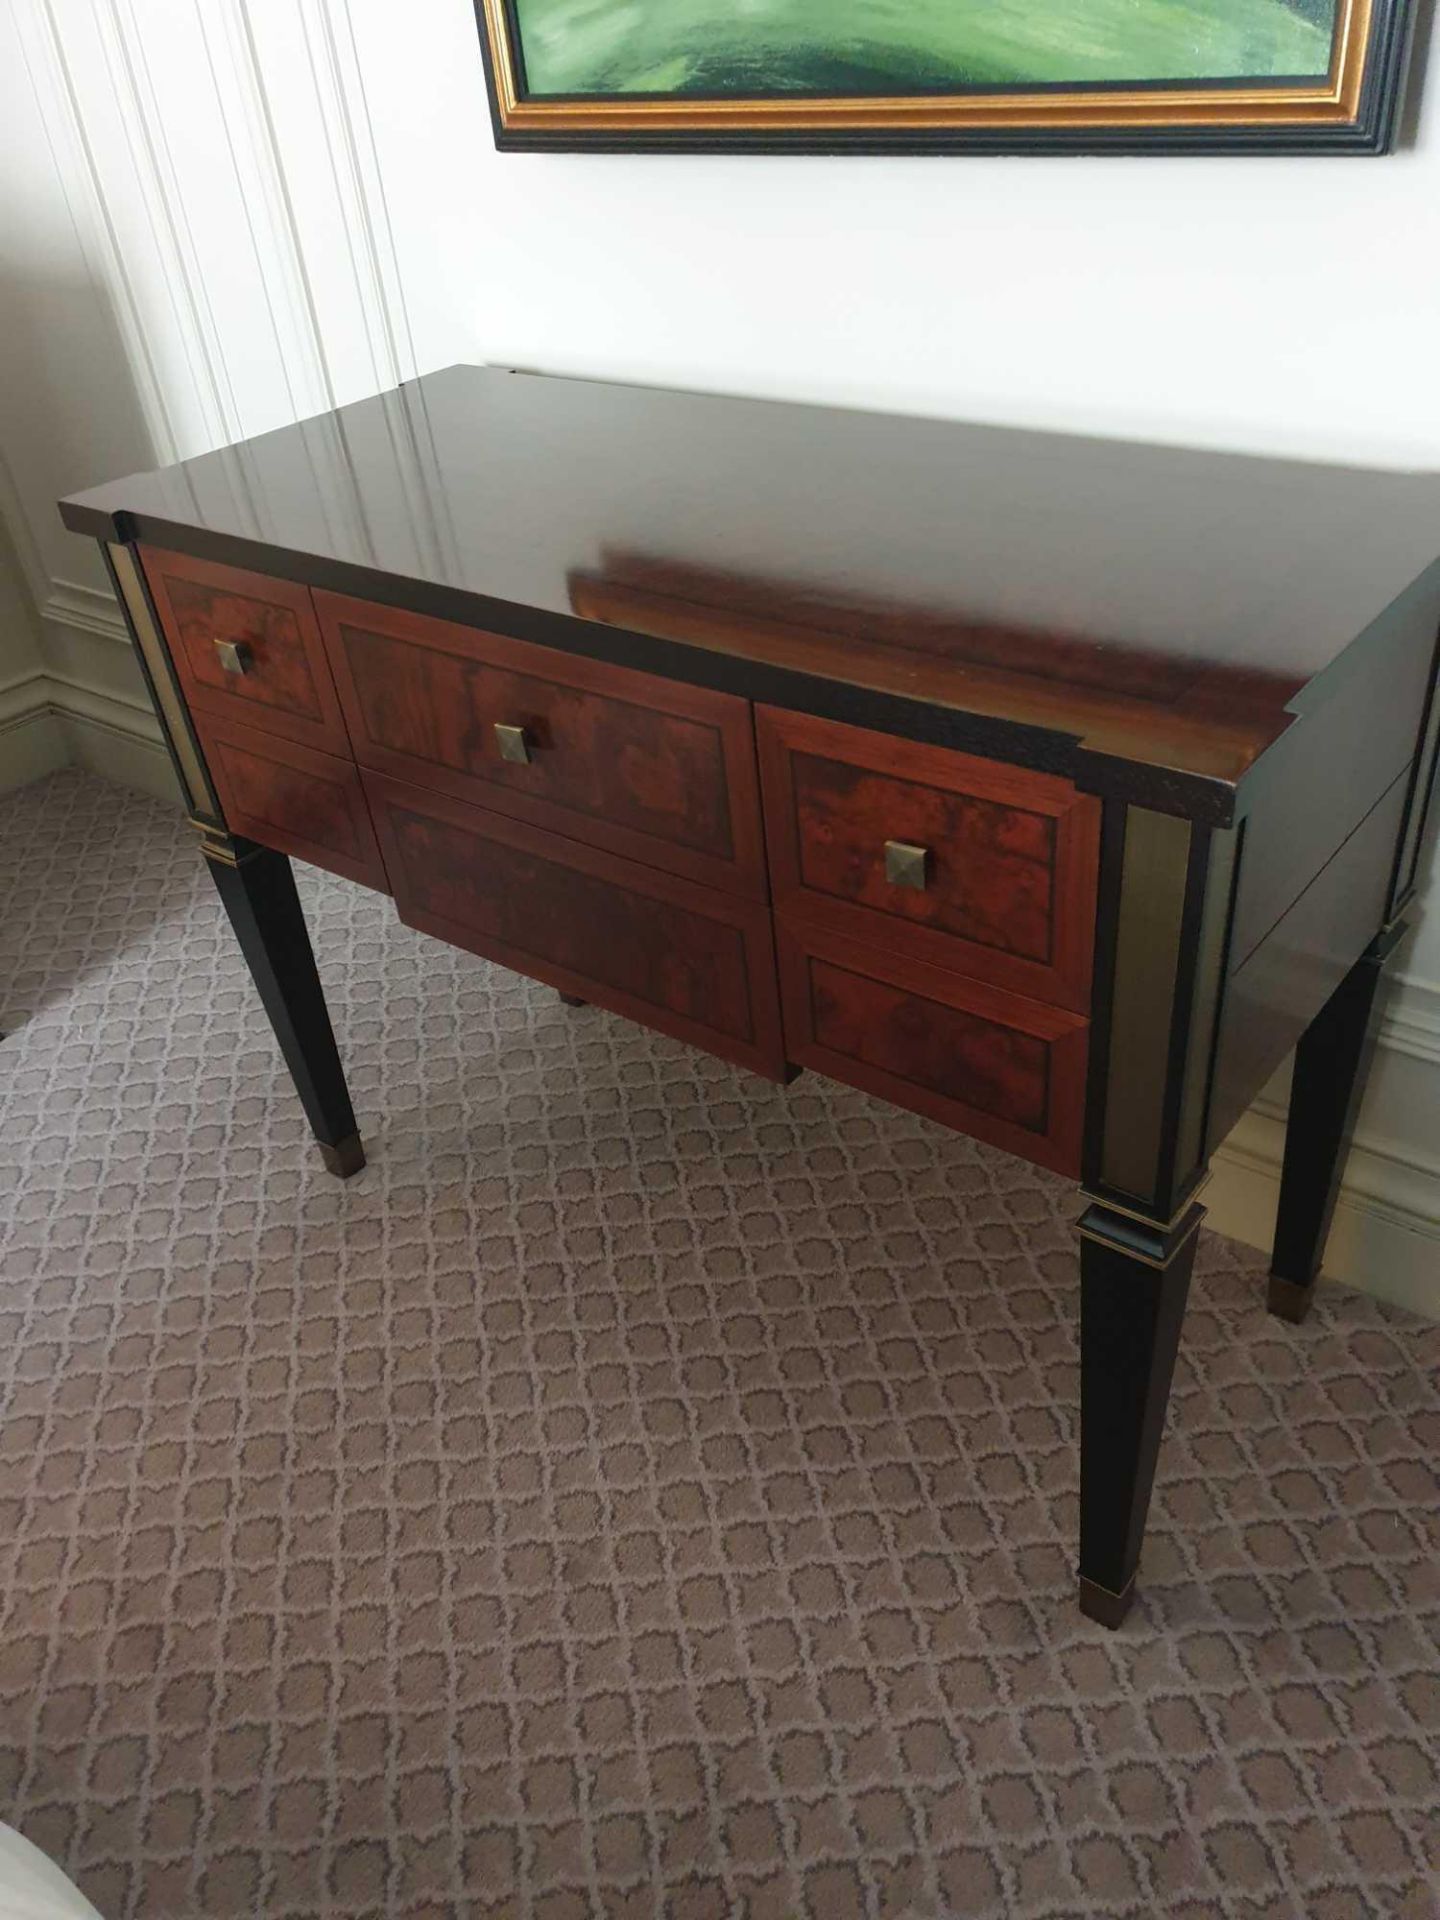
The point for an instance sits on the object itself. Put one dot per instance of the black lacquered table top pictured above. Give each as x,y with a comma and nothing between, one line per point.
1156,604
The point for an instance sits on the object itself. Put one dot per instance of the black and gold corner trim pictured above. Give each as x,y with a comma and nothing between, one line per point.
1149,927
1148,1221
1138,1239
1168,892
159,675
222,848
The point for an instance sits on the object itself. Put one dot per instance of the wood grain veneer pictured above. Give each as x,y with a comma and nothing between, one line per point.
986,1062
644,767
287,689
1010,890
689,960
293,798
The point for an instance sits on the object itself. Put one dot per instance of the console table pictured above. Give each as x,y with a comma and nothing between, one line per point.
1055,788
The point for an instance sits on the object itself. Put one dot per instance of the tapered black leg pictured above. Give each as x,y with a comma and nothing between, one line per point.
1133,1283
572,1000
258,889
1332,1063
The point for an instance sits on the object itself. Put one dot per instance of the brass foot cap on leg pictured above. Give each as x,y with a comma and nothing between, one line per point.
347,1156
1288,1300
1099,1603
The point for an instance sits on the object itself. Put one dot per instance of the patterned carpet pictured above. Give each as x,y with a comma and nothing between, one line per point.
644,1490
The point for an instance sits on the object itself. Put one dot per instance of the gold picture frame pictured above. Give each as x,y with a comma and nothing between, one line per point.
1352,107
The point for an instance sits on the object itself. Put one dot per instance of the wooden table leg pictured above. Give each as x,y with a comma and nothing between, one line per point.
1133,1283
258,891
1332,1063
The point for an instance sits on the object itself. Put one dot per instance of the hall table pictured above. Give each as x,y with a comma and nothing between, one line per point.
1055,788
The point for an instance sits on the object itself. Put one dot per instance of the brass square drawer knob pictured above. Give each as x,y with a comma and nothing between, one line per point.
513,744
906,865
235,655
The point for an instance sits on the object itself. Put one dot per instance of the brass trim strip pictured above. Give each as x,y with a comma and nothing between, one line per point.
1141,1259
1109,1592
172,711
1333,101
1417,807
1206,1005
217,845
1148,1219
1155,860
218,856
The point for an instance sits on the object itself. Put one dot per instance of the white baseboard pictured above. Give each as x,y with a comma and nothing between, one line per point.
115,736
1386,1237
32,744
121,754
48,721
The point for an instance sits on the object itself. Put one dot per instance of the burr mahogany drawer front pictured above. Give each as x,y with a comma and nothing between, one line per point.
296,799
985,1062
987,869
643,767
247,647
689,960
601,829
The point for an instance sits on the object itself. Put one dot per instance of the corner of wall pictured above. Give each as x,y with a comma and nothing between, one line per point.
1385,1239
31,743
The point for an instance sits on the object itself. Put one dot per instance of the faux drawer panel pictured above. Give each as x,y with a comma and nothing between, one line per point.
985,1062
644,767
293,798
690,961
247,647
1001,862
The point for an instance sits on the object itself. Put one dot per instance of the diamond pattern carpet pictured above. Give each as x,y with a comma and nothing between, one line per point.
643,1490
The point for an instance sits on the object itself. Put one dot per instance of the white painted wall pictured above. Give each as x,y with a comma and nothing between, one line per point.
1255,303
217,215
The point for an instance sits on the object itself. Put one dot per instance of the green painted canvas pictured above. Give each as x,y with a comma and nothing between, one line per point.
888,47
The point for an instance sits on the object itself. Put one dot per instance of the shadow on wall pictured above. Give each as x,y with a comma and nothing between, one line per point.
1409,134
71,412
70,415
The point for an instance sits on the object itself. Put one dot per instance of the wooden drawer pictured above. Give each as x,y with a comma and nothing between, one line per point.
693,962
293,798
277,678
1010,857
644,767
988,1063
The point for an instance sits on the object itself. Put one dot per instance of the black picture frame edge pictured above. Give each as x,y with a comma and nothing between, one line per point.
1372,132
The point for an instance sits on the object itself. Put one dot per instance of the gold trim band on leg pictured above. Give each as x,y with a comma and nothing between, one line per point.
1148,1219
1132,1252
218,846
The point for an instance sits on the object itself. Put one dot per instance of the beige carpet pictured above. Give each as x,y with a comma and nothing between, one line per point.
643,1490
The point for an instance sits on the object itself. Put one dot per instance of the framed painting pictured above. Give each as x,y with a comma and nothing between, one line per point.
996,76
